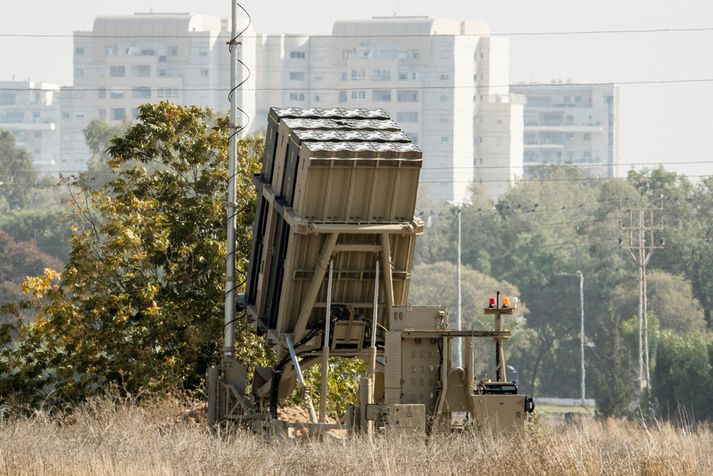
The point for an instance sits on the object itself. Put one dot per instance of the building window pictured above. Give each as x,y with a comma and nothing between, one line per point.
358,74
444,139
415,54
134,112
108,50
360,94
7,99
381,95
79,51
116,94
567,99
203,52
141,93
408,76
445,98
344,76
117,71
141,70
578,99
297,76
380,75
102,113
173,51
297,96
342,96
443,119
101,93
204,72
407,117
297,54
444,77
317,99
167,93
118,114
407,95
347,54
587,136
65,115
14,116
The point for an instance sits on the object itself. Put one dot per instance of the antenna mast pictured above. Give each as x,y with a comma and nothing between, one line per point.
235,83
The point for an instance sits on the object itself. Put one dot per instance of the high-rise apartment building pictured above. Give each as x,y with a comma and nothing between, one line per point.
571,124
444,81
30,110
125,61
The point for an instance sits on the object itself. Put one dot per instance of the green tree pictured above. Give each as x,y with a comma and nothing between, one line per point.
48,228
17,174
670,298
98,135
614,389
140,302
683,378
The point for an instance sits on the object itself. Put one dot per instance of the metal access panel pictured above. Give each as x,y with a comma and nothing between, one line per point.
399,418
419,318
360,182
501,413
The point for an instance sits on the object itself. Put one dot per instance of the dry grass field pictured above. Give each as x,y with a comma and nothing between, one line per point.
170,438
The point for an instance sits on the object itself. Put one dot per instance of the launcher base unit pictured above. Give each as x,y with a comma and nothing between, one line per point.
329,273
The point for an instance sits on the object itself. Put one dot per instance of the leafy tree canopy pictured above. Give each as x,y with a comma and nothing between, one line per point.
140,303
17,174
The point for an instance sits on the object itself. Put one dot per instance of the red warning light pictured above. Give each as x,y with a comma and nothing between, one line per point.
491,303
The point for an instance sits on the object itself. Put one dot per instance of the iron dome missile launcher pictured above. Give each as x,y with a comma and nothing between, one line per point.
329,273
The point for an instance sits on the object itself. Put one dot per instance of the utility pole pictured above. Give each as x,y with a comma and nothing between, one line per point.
641,222
459,322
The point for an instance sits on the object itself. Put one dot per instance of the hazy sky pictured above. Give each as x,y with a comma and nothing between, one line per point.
667,124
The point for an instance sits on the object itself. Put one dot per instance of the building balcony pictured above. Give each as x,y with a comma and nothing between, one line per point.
29,126
545,146
590,128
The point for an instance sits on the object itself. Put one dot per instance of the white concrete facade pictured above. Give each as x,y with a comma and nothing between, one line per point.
571,124
30,110
125,61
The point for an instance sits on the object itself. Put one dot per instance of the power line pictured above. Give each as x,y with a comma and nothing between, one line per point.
109,88
574,179
203,34
539,164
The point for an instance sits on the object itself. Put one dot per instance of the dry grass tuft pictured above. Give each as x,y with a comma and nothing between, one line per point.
169,437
